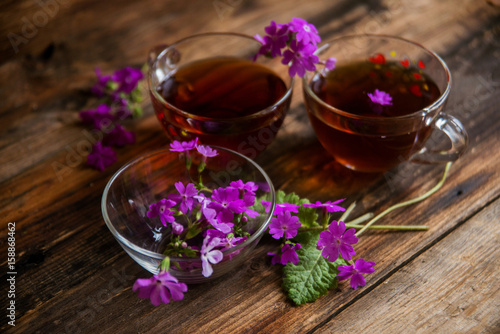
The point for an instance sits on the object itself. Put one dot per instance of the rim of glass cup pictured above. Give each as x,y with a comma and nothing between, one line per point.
159,256
186,114
423,111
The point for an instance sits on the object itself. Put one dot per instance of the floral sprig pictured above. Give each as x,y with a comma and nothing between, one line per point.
194,215
316,250
120,96
296,42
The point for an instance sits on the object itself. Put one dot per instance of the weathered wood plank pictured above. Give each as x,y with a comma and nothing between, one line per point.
451,288
74,276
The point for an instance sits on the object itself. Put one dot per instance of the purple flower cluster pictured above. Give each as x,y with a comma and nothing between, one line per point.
337,241
334,242
296,42
217,214
185,146
120,91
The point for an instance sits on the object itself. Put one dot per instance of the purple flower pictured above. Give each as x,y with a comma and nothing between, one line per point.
228,243
306,32
276,258
250,187
284,224
101,157
289,254
177,228
99,89
206,151
127,79
227,202
160,288
302,58
160,208
177,146
380,97
354,271
99,117
335,240
213,219
280,207
328,206
274,41
330,63
119,137
210,255
184,197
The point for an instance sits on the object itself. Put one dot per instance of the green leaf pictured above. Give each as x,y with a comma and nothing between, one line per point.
313,276
193,232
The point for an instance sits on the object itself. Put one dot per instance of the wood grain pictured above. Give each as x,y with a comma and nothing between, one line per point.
451,288
74,277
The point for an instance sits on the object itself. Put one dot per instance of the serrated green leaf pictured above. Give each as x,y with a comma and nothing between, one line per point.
313,276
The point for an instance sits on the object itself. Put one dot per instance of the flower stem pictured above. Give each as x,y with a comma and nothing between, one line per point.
347,212
361,219
375,227
409,202
391,227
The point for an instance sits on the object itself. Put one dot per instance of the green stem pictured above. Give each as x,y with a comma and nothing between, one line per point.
347,212
391,227
412,201
374,227
361,219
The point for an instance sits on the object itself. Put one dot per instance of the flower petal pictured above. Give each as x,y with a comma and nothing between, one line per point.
357,280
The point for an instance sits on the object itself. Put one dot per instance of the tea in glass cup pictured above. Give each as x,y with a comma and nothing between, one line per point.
209,86
365,133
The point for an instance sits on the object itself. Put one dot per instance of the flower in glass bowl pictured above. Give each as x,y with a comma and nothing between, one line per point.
188,211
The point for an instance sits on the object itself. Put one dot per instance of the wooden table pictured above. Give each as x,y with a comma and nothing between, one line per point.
72,276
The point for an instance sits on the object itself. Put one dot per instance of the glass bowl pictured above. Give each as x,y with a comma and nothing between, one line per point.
151,177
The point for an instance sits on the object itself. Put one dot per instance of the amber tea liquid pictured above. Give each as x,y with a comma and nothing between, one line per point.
219,92
346,88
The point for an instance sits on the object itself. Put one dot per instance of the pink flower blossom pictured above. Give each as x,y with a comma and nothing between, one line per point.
209,255
380,97
185,196
289,254
301,57
119,137
274,41
284,225
305,32
160,208
336,239
99,117
281,207
101,157
177,146
127,79
354,272
206,151
329,206
160,288
99,89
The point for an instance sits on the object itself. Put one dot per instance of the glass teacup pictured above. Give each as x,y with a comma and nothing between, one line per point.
366,134
209,86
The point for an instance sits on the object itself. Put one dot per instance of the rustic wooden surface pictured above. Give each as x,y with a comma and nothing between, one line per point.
72,276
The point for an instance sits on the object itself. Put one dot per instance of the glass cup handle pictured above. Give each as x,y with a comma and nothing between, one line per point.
154,52
455,131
